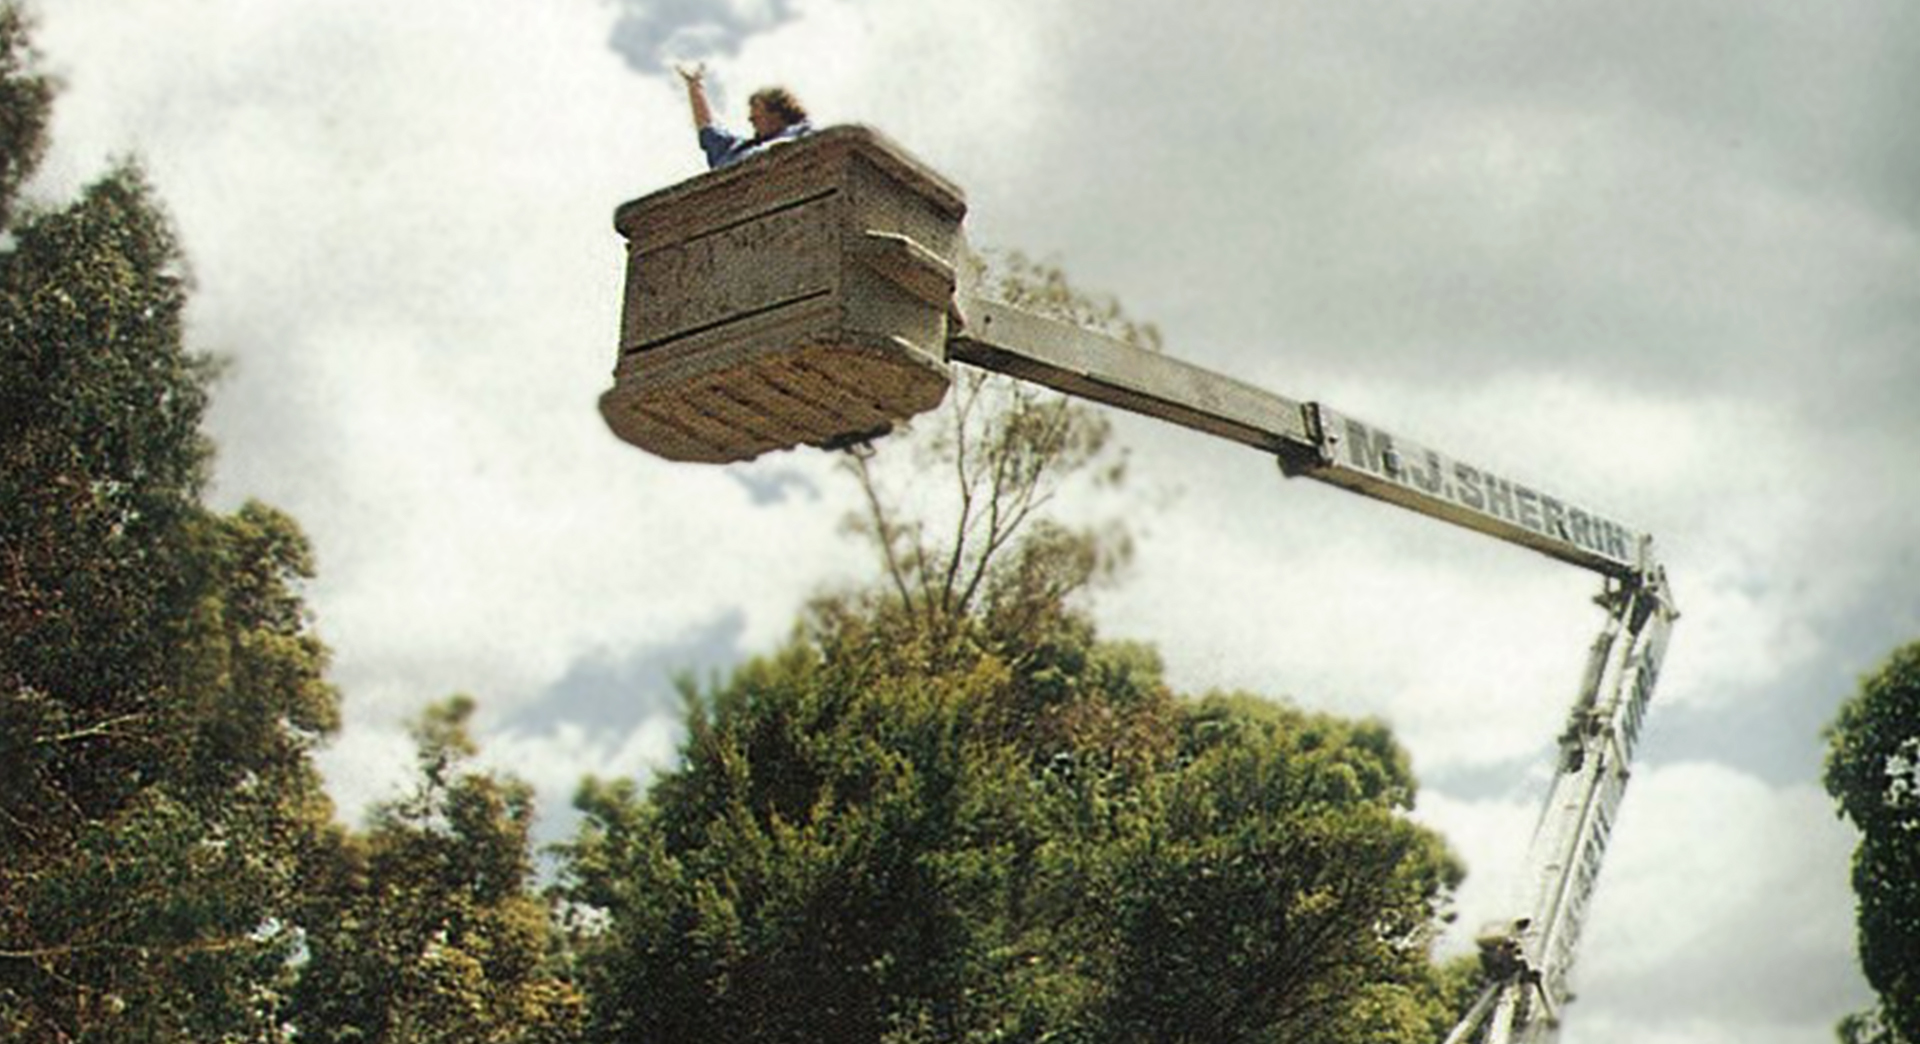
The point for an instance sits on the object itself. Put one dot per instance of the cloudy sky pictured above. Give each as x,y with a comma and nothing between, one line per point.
1660,258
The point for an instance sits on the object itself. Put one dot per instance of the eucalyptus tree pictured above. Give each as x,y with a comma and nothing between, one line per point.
425,928
948,810
161,689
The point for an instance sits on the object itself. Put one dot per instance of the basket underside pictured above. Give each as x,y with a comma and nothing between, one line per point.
717,411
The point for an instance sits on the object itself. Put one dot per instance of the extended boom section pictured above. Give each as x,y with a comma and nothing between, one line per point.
1309,439
1090,365
1527,961
1365,459
815,295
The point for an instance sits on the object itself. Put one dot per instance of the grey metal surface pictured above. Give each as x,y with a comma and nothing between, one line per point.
1103,369
1530,962
1366,459
1310,440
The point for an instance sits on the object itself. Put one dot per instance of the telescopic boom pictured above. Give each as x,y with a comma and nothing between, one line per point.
810,296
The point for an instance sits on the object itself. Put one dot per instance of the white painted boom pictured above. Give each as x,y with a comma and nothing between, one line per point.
809,297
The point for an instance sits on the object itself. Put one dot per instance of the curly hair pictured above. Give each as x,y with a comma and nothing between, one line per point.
782,103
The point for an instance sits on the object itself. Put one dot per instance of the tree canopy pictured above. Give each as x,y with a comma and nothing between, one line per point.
1873,773
1045,846
947,810
424,929
160,689
1000,451
169,865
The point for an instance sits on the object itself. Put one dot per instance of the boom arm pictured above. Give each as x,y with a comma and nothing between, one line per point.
1308,438
1528,961
809,296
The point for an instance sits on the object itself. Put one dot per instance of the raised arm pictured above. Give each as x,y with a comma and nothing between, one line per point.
696,94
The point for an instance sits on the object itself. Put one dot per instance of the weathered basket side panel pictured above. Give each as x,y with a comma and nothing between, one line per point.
900,265
762,311
688,287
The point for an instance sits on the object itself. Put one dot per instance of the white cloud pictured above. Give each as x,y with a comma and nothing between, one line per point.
1612,250
1724,912
956,84
400,221
1490,837
1470,650
365,766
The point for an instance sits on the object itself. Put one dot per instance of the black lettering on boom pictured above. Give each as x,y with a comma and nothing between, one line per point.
1431,480
1466,485
1617,543
1366,452
1529,507
1556,517
1499,498
1580,532
1426,471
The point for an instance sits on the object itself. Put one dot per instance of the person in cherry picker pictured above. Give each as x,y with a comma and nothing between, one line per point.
774,113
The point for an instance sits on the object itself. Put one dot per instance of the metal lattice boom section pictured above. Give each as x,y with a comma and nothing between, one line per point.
1528,961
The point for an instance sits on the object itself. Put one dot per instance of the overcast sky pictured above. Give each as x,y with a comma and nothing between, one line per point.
1660,258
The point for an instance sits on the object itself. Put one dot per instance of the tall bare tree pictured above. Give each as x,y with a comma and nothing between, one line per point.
1006,450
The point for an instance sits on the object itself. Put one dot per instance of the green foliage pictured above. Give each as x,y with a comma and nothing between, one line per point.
947,811
858,848
160,689
423,930
1868,1027
1873,773
99,427
26,99
777,891
1280,895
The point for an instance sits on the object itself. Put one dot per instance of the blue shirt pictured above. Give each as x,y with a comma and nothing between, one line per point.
724,148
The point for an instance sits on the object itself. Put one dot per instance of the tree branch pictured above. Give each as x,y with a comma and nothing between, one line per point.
968,483
98,729
884,531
